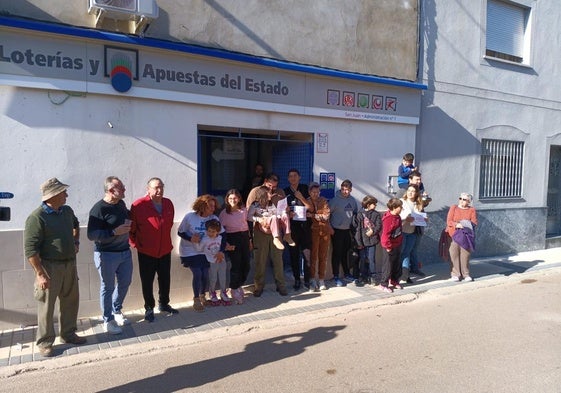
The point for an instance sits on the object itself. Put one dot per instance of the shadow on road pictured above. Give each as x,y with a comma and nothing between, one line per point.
211,370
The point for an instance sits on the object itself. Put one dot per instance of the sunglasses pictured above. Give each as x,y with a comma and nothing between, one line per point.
463,199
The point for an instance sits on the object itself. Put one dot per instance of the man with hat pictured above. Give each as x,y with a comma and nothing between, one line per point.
51,241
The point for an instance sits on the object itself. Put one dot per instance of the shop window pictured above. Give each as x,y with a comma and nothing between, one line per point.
501,169
508,31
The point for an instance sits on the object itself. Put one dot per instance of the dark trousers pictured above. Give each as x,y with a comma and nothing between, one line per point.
239,258
302,236
341,243
148,267
391,266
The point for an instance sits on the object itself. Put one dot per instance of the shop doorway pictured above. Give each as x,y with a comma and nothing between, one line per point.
227,157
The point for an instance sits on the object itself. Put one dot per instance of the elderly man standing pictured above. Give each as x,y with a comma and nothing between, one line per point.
108,228
152,219
51,241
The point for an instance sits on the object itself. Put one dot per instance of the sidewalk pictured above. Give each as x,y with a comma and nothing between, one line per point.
17,346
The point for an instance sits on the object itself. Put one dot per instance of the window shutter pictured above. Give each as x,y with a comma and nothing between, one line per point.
505,28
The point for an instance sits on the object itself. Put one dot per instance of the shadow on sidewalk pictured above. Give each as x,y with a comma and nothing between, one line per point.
187,321
479,269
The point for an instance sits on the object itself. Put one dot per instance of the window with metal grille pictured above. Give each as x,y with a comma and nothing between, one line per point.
501,169
507,31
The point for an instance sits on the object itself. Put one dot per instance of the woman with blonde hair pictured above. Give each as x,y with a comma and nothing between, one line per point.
412,203
460,225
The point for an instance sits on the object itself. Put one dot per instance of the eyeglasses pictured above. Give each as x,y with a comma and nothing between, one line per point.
463,199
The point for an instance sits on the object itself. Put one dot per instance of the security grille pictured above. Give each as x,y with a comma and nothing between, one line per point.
501,169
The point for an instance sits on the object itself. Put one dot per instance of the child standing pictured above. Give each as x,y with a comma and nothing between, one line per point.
405,169
391,242
211,245
367,225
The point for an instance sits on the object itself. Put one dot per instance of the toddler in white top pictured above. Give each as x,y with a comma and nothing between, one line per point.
211,245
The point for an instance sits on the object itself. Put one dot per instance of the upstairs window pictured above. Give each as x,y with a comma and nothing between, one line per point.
508,31
501,169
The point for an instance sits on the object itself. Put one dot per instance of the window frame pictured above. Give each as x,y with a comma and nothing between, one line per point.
528,8
507,134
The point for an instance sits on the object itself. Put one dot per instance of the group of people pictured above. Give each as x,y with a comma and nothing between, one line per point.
458,238
217,244
52,240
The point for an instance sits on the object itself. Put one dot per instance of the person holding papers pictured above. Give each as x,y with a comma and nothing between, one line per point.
412,210
266,239
297,199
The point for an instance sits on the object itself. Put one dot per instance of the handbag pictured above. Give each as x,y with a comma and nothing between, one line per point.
444,246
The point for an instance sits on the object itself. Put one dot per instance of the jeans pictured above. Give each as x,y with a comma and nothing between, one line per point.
409,240
414,261
111,265
199,268
367,261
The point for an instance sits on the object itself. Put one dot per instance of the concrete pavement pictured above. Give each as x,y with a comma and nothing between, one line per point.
17,345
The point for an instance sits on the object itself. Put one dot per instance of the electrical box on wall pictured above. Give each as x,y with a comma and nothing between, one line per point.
139,12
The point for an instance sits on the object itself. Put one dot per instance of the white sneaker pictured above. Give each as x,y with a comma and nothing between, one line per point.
455,279
121,319
111,327
322,286
468,278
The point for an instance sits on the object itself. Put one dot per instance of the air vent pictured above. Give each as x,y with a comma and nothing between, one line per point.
141,12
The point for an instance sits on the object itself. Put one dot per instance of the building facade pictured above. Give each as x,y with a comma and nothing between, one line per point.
83,98
338,89
490,119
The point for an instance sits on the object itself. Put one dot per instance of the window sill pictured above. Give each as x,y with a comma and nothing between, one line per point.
502,200
496,59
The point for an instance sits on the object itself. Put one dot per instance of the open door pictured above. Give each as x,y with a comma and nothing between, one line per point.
227,157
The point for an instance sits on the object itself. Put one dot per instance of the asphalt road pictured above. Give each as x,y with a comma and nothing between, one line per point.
501,335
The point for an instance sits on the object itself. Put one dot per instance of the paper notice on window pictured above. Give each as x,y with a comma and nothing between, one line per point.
420,219
299,213
281,207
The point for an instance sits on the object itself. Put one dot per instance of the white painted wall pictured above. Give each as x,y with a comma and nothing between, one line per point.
74,142
469,97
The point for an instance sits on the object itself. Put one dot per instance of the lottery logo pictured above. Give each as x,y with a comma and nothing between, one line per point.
121,74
